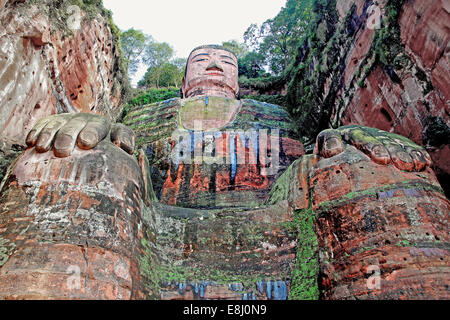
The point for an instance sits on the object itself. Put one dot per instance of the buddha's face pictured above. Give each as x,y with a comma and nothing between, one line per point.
211,72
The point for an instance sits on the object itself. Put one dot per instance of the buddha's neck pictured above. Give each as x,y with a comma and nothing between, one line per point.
210,112
223,92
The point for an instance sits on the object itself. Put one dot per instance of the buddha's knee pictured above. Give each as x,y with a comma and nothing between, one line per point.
382,232
73,227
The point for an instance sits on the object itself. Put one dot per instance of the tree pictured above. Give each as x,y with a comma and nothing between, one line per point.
251,65
170,74
156,55
239,49
279,37
180,64
133,44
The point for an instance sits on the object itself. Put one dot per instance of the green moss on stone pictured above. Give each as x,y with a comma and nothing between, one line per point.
304,276
6,250
149,270
417,184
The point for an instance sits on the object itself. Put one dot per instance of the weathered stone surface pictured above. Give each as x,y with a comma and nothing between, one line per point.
370,217
392,78
9,151
373,215
46,69
233,181
225,254
77,216
403,106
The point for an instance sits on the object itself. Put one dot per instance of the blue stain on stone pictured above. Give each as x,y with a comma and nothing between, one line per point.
411,192
192,134
233,157
269,290
386,194
181,287
250,296
260,286
257,142
203,288
236,287
280,290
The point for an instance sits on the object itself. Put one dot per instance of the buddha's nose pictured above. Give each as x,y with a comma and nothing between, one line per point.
214,65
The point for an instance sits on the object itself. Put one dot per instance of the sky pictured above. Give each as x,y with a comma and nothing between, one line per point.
185,24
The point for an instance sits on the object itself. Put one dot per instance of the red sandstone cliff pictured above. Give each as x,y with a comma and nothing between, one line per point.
47,68
394,78
421,94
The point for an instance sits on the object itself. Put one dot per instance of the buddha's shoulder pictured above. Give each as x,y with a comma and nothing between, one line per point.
262,114
264,108
154,112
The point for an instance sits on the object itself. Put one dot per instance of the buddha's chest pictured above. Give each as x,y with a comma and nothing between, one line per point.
207,113
217,152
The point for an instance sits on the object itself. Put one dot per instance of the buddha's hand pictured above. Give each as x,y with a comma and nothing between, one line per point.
381,146
62,132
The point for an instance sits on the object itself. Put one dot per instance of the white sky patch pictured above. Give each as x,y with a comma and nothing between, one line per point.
185,24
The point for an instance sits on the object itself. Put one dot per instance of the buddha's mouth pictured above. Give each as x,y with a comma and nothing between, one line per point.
214,73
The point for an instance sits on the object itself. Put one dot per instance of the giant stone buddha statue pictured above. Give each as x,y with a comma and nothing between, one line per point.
209,149
212,197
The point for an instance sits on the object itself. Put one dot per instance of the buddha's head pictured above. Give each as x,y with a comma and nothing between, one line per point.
211,70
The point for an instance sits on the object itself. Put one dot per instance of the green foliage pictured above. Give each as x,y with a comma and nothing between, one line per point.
251,65
239,49
149,270
149,96
278,99
154,95
157,53
437,132
163,70
304,285
277,39
168,74
133,44
317,61
263,83
389,42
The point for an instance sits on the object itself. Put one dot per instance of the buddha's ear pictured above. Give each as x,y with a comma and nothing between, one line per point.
148,193
183,87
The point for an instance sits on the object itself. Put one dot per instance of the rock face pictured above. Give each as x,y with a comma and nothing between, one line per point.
394,77
373,231
76,228
377,220
46,68
230,182
337,228
420,94
225,254
89,226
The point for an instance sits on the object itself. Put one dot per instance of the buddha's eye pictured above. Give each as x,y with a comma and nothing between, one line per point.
199,60
228,63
